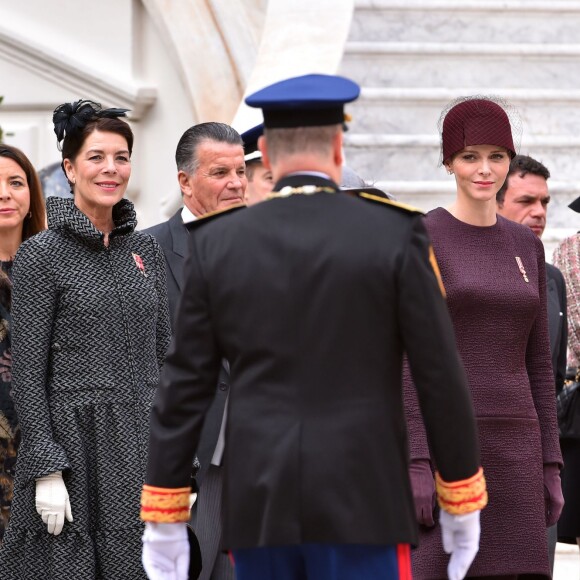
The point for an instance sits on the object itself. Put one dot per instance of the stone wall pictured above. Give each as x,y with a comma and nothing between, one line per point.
172,62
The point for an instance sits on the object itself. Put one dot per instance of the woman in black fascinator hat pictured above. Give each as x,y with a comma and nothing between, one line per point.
91,327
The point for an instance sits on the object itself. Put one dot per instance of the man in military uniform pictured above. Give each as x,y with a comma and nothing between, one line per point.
313,296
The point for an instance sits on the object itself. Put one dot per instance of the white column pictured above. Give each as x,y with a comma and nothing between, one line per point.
299,37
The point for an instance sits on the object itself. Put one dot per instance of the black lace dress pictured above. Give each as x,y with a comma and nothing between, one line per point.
9,429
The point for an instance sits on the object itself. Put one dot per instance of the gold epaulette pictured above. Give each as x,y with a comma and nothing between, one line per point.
289,190
436,271
207,217
389,202
165,505
462,497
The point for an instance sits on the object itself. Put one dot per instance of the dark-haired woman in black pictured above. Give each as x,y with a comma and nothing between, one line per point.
22,215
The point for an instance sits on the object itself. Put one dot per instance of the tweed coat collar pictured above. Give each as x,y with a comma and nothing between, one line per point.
64,215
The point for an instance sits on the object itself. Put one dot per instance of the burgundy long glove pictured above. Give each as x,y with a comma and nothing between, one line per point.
423,486
552,493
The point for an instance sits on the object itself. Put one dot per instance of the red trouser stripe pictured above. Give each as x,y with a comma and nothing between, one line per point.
404,560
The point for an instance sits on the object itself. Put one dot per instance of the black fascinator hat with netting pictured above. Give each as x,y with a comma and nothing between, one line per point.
478,120
70,118
74,121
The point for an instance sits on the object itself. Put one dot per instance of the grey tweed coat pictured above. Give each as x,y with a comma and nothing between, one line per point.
90,331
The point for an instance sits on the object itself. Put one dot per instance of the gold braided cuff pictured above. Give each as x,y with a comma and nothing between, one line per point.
462,497
165,505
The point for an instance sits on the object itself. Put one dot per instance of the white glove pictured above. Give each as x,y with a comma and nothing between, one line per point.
52,502
460,536
166,551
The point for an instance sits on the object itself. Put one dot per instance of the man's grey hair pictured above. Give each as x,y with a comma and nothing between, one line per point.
312,140
186,152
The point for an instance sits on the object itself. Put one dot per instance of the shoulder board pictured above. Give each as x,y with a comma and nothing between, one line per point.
208,217
390,202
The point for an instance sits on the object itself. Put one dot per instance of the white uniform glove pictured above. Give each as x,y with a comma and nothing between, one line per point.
460,536
52,502
166,551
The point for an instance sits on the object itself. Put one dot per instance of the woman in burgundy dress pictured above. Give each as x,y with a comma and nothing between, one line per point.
494,274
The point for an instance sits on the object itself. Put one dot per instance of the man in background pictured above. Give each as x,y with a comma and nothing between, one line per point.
211,176
524,198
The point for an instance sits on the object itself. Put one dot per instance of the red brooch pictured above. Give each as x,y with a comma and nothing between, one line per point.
139,263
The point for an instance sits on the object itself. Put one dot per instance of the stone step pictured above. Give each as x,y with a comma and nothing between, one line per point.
416,157
451,65
412,57
567,565
429,194
470,21
416,110
564,191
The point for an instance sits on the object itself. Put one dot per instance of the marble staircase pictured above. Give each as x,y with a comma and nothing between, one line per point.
412,57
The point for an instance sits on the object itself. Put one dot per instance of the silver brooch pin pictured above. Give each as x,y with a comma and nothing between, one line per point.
522,269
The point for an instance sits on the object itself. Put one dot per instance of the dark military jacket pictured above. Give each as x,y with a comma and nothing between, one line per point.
313,299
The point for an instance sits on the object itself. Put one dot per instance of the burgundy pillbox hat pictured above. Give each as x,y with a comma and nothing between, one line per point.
476,122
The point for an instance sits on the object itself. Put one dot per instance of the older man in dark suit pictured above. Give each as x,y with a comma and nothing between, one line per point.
524,198
211,175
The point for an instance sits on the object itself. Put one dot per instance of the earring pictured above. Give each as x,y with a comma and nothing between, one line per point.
29,214
449,172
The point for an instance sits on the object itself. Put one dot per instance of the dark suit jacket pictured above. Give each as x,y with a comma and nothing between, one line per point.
557,322
313,299
173,237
